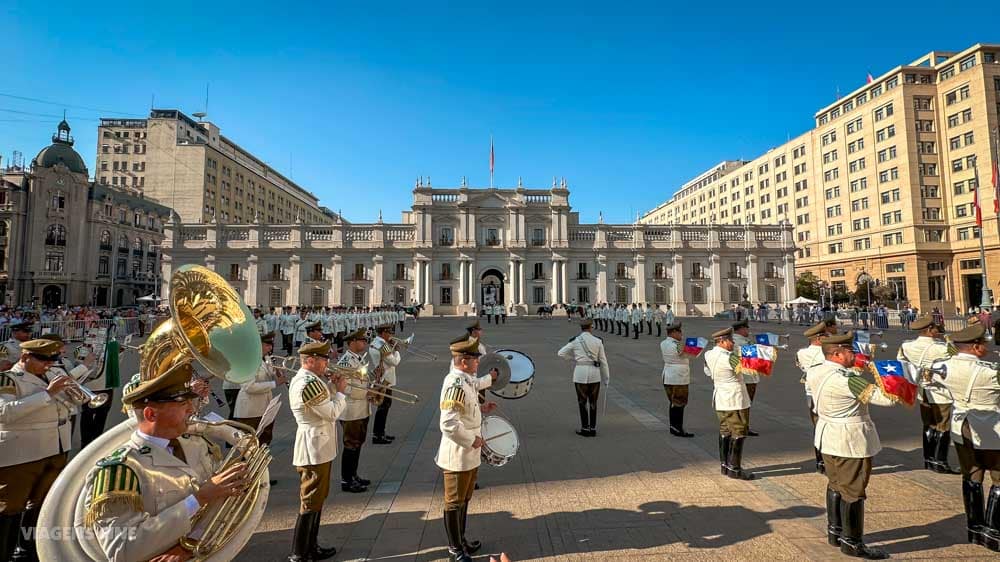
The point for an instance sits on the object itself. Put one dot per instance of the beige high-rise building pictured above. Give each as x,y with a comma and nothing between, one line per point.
882,186
204,176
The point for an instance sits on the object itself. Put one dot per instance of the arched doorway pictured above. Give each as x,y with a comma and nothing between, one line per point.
491,287
52,296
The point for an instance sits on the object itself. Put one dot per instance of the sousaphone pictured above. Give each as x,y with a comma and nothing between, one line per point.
212,326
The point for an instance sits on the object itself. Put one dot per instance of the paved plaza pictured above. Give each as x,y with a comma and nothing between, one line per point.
632,492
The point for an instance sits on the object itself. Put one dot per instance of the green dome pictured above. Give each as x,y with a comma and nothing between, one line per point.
58,152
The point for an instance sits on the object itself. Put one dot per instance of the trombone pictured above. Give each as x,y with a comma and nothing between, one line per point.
406,346
356,378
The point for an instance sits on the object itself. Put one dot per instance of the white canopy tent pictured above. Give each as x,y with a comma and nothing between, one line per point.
801,300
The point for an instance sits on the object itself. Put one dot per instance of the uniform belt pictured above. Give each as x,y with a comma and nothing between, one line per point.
40,425
852,419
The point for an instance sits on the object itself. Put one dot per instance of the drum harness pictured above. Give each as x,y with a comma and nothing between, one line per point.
587,351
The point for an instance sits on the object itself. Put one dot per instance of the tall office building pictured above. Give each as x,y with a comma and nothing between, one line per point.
883,186
204,176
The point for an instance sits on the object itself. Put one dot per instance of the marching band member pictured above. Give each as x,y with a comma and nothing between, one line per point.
676,377
587,351
731,402
34,443
19,333
935,400
140,499
975,386
387,356
458,454
807,358
848,440
286,323
741,337
254,396
92,420
354,419
315,412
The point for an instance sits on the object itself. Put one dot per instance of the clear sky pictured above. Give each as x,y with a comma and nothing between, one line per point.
627,100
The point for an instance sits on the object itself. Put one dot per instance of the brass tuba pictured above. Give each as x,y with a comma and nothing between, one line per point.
209,324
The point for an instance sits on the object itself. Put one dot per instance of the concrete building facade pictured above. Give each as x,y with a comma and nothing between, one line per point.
882,186
461,248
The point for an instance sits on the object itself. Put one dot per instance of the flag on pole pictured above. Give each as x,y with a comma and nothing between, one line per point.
767,338
863,349
895,378
869,79
975,203
996,188
491,155
694,346
757,359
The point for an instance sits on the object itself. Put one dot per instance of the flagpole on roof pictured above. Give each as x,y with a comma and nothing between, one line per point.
491,161
985,300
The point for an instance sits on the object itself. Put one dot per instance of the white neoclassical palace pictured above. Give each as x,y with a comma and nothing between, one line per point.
462,248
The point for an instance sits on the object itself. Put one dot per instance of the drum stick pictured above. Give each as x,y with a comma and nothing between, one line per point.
498,436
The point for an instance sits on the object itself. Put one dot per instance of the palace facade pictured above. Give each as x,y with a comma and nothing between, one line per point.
459,249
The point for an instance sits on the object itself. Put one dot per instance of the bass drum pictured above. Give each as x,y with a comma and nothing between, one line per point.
64,504
522,375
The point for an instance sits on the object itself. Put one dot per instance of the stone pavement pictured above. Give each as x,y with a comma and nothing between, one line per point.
632,492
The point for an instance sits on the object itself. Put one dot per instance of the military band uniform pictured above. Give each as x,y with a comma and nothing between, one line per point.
807,358
676,379
286,324
389,363
587,352
93,420
35,439
975,429
354,422
254,396
732,406
935,400
751,379
635,316
847,438
460,424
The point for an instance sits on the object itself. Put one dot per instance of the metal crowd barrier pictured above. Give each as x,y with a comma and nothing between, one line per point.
76,330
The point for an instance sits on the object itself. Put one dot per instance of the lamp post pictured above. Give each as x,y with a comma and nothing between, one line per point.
984,302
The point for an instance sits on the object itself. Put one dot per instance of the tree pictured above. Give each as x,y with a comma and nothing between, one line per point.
807,285
883,293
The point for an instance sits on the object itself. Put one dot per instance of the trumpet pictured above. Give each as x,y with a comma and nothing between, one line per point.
406,346
79,394
356,378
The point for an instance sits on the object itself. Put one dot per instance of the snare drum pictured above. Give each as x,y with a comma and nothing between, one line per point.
522,374
500,441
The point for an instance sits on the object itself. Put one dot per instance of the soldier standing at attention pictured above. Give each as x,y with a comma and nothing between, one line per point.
676,377
741,337
587,350
731,403
975,385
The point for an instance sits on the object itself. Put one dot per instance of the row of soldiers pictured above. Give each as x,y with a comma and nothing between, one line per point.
335,322
629,318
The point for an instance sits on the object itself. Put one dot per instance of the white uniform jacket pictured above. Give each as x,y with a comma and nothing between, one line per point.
739,341
13,350
389,361
676,365
255,395
922,352
358,406
587,350
730,392
636,315
461,422
286,323
975,386
841,397
315,413
139,500
807,358
33,425
261,325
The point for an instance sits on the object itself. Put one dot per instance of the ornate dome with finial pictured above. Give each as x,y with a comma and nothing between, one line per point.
61,151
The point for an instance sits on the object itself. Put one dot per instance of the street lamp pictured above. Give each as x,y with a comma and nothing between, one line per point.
156,275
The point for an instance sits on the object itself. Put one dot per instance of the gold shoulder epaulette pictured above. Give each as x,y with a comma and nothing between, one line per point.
115,486
7,385
314,392
454,398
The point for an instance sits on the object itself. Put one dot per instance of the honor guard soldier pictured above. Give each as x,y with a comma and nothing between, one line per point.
635,316
676,377
648,315
807,358
259,322
741,337
658,318
388,356
19,333
848,440
255,395
314,332
315,412
286,324
458,454
731,403
975,386
35,439
354,420
140,499
587,351
935,400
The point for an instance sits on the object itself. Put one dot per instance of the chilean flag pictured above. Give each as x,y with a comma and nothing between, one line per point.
756,359
694,346
767,338
895,379
863,349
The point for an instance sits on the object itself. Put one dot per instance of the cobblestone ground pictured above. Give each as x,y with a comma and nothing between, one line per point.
632,492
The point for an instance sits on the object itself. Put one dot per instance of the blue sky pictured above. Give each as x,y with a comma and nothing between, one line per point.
355,100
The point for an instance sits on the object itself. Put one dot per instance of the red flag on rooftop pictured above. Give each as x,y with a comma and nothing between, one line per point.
975,203
491,155
869,79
